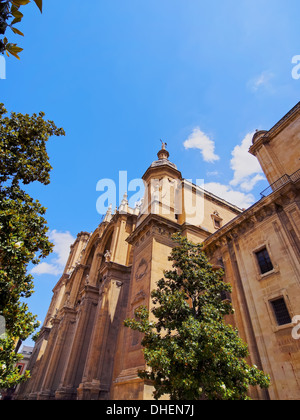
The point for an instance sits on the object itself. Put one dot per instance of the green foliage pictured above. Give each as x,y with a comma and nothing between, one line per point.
190,352
10,15
9,374
23,228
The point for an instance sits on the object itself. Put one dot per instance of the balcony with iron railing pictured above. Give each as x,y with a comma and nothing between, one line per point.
285,179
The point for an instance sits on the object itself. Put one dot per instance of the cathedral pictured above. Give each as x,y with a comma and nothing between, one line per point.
84,352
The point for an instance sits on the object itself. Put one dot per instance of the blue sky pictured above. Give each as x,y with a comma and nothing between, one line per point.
120,75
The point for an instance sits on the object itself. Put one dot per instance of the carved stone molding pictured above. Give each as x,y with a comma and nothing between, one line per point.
260,212
142,270
140,296
153,225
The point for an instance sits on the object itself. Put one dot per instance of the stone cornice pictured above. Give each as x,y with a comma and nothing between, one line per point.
84,236
256,214
64,279
89,292
113,266
286,120
44,333
152,219
276,129
164,167
196,229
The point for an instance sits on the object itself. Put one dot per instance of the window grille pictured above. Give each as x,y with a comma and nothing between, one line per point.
264,261
281,311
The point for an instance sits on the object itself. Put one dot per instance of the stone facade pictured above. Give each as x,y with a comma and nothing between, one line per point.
84,352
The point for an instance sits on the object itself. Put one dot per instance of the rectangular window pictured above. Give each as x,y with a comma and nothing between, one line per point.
217,224
264,261
217,220
281,311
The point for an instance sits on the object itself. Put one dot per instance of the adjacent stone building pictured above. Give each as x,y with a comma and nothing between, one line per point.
84,352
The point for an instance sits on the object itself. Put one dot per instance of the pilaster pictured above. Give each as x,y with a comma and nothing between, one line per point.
61,331
113,297
152,245
78,347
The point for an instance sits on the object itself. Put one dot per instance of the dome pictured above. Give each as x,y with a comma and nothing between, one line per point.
258,135
162,162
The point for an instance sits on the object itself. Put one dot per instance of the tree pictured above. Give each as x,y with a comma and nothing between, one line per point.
23,228
10,15
189,350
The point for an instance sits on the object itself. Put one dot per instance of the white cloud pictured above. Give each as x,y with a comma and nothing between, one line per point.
199,140
249,184
261,81
237,198
62,242
247,170
45,268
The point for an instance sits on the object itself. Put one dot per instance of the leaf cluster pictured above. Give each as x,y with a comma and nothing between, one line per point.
10,15
23,154
23,227
190,352
9,373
